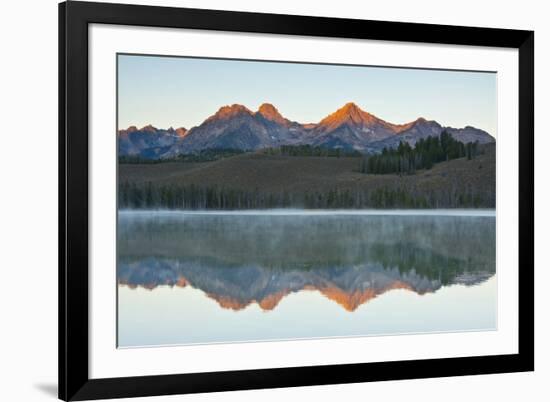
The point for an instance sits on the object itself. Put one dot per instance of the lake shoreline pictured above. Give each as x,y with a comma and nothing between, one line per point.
317,212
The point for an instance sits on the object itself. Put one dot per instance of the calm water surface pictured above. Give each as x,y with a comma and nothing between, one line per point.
217,277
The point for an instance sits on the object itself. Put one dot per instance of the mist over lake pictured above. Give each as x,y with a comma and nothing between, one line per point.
202,277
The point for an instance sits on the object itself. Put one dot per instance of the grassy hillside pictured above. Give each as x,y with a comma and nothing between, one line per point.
259,180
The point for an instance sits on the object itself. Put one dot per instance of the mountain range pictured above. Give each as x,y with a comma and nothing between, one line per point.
237,127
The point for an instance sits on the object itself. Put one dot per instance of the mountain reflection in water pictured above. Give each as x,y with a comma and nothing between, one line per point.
241,260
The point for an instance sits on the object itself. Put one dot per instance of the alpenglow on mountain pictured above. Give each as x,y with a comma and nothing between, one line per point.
239,128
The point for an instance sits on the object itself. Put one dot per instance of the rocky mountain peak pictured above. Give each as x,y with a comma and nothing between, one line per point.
149,129
126,131
270,112
349,113
228,111
351,107
181,131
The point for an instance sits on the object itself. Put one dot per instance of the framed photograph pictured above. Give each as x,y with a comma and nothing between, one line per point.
257,200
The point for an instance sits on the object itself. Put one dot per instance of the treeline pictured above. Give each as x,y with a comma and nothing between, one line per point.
309,150
407,160
429,263
135,159
194,197
213,154
205,155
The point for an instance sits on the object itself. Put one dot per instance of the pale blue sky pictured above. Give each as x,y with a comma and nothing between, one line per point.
183,92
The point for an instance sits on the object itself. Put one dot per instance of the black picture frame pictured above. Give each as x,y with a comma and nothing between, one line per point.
74,18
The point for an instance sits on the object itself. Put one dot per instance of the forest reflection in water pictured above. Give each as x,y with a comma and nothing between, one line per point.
249,264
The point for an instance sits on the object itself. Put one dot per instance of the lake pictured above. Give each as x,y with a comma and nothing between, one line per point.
205,277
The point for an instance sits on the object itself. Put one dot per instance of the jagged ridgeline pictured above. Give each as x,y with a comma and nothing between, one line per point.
240,159
238,128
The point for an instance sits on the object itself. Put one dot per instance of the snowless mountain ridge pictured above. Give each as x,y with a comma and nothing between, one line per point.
237,127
